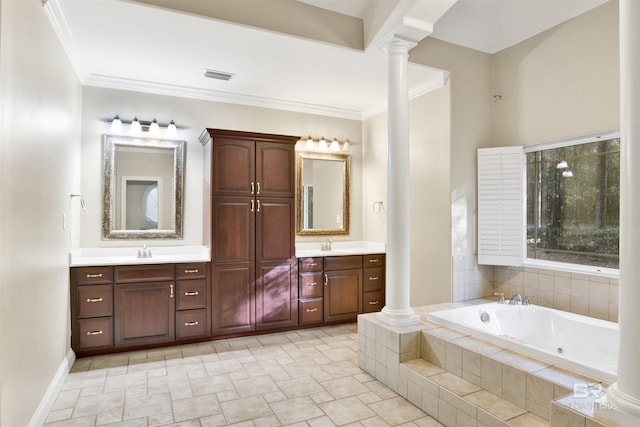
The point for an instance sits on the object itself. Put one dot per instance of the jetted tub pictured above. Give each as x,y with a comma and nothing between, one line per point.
583,344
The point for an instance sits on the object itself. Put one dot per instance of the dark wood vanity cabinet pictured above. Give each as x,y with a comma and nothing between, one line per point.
249,225
128,306
337,288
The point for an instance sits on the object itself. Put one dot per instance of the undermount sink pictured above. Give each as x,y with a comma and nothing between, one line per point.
304,250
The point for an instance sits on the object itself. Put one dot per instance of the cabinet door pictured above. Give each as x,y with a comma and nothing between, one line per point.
233,263
342,290
144,313
233,167
275,168
276,284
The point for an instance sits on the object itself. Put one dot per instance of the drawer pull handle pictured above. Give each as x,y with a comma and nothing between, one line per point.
312,284
94,299
190,323
374,261
312,264
252,188
191,294
195,270
374,278
171,290
326,279
91,333
311,310
94,276
373,302
258,191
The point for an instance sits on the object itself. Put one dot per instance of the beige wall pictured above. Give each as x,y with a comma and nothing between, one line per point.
40,100
194,116
562,83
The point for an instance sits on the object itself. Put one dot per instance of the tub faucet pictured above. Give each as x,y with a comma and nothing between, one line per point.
515,299
501,295
525,301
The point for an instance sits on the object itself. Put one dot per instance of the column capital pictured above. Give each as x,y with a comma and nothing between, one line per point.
395,44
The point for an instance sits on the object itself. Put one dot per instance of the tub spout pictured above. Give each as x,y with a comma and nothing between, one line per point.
515,299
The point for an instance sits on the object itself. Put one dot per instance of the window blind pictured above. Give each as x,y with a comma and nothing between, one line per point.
501,207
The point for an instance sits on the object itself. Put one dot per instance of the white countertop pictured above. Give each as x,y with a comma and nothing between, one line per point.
129,255
313,249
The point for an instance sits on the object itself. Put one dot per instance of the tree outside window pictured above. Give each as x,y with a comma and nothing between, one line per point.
573,204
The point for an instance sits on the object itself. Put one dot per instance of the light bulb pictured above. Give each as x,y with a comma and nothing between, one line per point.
309,146
335,145
116,124
346,146
172,130
322,144
135,126
154,128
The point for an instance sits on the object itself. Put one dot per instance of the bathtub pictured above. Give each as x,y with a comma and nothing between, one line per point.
583,344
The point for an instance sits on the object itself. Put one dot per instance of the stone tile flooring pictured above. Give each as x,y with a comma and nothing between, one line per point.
300,378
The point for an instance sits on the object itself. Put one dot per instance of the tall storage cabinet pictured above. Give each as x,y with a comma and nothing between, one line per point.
249,225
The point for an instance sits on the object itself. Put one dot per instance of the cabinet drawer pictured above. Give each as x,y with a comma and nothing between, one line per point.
191,324
311,311
342,262
376,260
141,273
94,333
372,301
310,285
373,279
191,271
191,294
91,275
310,264
94,300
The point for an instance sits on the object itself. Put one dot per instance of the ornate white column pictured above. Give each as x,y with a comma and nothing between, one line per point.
622,403
397,310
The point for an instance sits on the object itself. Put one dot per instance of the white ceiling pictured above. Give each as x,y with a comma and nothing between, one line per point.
128,45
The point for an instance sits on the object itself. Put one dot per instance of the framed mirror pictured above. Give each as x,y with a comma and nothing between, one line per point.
142,188
322,194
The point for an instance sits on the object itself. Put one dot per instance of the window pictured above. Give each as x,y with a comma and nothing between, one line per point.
573,200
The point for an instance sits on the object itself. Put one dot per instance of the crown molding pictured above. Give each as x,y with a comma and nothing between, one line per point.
56,17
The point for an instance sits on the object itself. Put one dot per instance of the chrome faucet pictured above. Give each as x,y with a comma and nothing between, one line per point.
525,301
501,295
515,299
326,246
145,252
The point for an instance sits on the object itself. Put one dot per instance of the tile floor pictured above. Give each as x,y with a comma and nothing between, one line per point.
300,378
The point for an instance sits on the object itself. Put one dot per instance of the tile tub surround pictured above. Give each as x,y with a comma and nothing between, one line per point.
460,380
305,377
587,294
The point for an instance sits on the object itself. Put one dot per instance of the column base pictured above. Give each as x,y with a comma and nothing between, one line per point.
398,317
618,407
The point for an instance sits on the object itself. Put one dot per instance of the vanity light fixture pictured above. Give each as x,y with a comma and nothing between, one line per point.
140,127
309,144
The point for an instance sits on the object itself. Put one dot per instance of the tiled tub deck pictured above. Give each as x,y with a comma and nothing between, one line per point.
464,381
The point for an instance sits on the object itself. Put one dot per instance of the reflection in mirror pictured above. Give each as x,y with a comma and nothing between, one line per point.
322,192
142,188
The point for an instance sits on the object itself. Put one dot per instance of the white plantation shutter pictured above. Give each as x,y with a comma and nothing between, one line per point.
501,209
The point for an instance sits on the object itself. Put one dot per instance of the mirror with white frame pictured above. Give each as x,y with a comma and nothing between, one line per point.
322,194
142,188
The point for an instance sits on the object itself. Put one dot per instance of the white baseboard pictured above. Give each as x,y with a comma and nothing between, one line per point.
42,411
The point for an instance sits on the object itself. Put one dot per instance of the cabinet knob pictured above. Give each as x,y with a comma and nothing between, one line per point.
190,294
91,333
94,299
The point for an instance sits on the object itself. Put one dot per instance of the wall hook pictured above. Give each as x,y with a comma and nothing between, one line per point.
82,205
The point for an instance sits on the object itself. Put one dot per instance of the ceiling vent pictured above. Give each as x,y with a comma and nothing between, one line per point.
219,75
